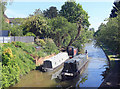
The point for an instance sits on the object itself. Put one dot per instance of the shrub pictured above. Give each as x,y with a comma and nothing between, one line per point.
40,42
25,47
10,69
50,47
6,56
30,34
15,63
41,53
17,60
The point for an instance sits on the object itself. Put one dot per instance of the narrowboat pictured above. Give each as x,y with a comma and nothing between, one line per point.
73,66
72,51
55,61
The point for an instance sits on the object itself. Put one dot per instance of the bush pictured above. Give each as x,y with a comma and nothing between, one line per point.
50,47
16,30
6,56
25,47
17,60
30,34
41,53
10,69
40,42
15,63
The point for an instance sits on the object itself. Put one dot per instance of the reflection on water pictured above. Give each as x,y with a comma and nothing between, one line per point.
92,76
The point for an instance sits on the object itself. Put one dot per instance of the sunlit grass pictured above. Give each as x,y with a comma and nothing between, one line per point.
109,53
111,57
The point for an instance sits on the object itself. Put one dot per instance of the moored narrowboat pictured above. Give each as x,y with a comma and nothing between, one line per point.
55,61
72,51
73,66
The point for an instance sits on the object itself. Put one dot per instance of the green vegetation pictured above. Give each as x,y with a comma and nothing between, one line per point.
116,9
17,59
74,13
66,27
58,29
51,12
36,24
15,30
15,63
30,34
109,53
62,31
109,34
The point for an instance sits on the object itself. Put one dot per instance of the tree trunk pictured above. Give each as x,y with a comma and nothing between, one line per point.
63,37
72,40
58,40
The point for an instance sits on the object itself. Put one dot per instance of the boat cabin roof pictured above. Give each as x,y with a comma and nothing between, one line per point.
58,56
76,58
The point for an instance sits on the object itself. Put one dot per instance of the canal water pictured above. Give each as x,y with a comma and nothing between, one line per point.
92,76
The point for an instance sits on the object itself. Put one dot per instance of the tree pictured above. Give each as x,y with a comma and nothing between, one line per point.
51,12
35,24
74,13
16,30
116,8
17,21
3,24
61,30
108,35
92,29
100,28
2,7
37,12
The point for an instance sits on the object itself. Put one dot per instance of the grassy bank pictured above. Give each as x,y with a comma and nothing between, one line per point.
109,53
18,58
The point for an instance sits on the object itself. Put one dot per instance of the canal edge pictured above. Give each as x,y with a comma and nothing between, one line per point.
108,81
105,53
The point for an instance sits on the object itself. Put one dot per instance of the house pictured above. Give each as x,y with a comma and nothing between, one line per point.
6,19
13,20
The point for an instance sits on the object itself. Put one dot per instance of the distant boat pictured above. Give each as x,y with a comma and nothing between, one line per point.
55,61
72,51
73,66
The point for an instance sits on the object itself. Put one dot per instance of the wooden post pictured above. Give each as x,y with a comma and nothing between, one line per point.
3,39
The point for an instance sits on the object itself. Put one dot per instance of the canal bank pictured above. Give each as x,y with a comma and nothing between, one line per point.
90,77
112,80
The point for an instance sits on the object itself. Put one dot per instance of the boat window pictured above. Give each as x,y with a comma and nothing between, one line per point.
47,64
70,67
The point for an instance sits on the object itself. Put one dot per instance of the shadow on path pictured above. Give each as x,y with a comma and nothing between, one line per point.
113,78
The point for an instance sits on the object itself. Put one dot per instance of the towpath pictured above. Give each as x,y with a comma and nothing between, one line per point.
113,78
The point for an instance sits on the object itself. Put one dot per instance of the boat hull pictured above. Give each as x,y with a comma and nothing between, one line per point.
69,75
55,62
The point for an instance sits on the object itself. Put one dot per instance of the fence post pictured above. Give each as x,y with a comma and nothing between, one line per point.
3,39
14,38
